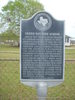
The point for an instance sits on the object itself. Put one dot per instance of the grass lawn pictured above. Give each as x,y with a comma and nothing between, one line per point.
9,55
9,52
70,54
10,85
12,89
8,48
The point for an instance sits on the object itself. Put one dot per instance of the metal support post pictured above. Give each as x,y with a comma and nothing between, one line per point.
42,90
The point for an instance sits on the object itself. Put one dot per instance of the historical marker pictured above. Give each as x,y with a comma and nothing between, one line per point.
42,49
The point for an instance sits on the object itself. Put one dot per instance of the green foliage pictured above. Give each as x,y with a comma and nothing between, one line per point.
18,9
9,35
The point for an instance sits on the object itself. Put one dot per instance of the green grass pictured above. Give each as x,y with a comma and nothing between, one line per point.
10,85
9,55
8,48
9,52
70,51
70,47
65,91
70,54
12,89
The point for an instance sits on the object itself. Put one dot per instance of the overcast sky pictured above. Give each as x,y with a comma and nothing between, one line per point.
60,10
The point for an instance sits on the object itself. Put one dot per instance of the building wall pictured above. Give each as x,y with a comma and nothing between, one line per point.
72,42
67,41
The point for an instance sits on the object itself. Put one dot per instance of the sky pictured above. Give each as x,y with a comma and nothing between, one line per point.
60,10
2,3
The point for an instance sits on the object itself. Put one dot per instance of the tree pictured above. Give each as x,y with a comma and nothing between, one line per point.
18,9
8,37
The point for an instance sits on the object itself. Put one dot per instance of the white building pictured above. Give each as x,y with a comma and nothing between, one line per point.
72,41
67,40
